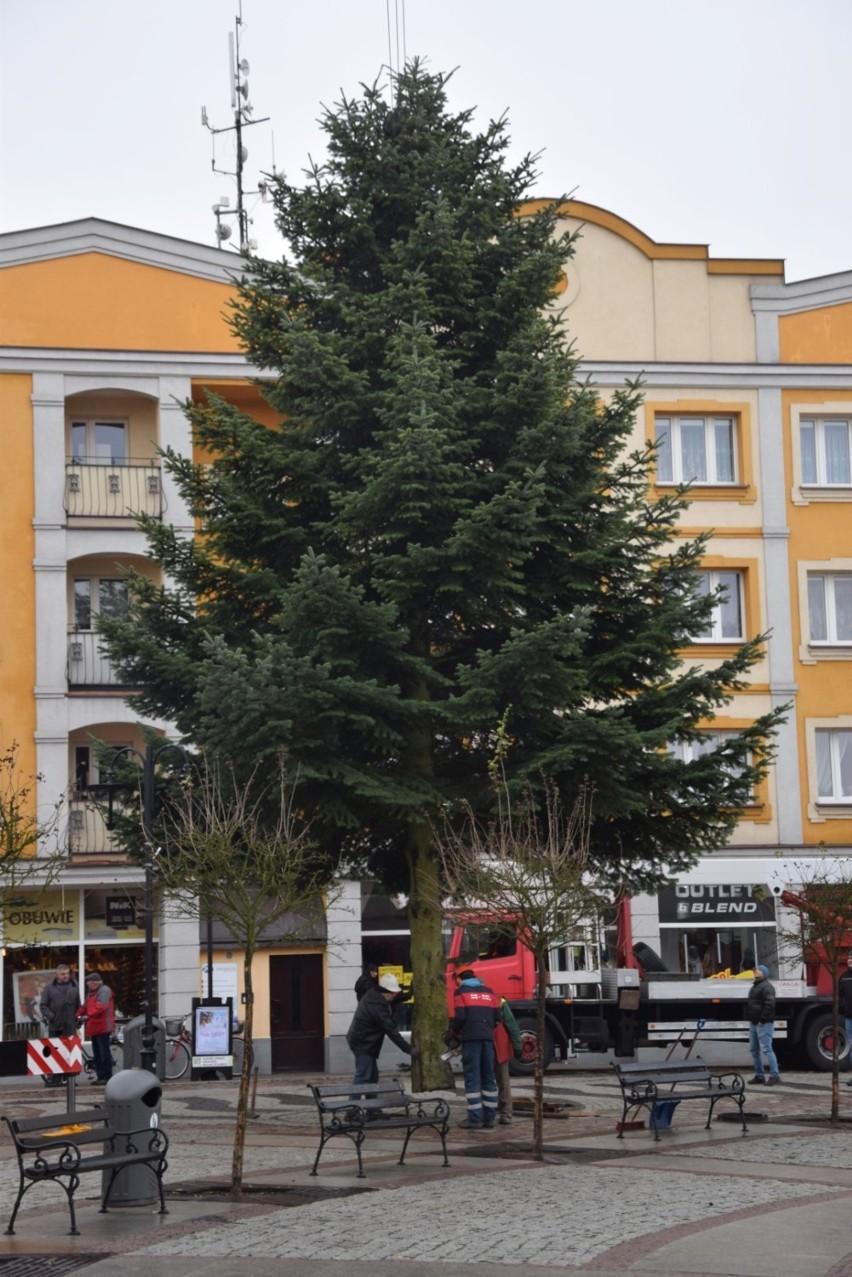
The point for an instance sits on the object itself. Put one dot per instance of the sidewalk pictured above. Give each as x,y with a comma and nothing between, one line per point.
776,1203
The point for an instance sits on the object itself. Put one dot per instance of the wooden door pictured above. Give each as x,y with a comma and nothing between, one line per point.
296,1012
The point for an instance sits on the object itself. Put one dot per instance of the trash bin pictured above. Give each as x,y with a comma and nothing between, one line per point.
133,1099
134,1033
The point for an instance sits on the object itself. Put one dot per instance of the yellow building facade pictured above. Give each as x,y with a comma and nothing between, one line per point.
105,331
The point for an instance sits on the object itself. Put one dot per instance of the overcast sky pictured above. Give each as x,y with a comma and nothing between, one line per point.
720,122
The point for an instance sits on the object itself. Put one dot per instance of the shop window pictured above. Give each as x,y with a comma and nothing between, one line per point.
710,951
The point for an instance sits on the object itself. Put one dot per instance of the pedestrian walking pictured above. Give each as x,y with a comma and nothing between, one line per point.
507,1046
371,1024
59,1004
760,1010
369,979
98,1014
476,1014
844,992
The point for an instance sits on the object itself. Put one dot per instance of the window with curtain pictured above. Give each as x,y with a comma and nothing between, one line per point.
689,750
834,765
726,622
693,449
825,452
830,607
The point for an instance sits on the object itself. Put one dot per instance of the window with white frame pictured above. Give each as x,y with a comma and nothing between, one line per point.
726,621
825,451
99,442
687,751
830,607
98,595
834,765
696,449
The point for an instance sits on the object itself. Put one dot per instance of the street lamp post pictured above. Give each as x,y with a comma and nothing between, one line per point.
148,1054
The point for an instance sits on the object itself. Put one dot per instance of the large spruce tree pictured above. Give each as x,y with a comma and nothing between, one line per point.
446,533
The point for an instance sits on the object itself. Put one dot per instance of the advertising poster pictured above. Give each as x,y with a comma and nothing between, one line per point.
26,992
211,1044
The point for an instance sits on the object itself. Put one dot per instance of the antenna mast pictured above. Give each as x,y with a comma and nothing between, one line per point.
243,110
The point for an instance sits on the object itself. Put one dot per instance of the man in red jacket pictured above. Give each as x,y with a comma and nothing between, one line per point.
98,1012
476,1014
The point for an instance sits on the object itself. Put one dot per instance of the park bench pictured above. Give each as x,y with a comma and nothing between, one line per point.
661,1087
63,1147
374,1107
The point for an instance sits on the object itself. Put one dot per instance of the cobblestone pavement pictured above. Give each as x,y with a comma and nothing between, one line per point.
773,1204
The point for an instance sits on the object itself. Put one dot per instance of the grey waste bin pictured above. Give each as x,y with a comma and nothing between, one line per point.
133,1099
134,1033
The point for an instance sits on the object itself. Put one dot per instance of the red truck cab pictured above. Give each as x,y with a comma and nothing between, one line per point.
497,959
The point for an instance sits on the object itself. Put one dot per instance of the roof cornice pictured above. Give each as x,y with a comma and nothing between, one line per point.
93,235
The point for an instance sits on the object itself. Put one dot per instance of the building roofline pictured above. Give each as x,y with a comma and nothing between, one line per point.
602,217
94,235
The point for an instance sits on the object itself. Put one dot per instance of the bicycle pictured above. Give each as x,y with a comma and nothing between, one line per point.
116,1046
178,1053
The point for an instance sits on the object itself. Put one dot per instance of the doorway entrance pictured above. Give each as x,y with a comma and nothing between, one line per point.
296,1012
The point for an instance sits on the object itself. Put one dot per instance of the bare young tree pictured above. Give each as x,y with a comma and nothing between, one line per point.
528,871
240,852
823,901
29,838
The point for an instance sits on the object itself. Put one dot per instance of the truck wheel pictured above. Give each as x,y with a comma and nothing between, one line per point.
819,1043
525,1067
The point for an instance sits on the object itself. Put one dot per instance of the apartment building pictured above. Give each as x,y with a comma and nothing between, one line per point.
748,394
105,331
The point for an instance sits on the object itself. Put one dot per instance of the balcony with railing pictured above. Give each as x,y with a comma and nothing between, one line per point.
113,490
88,667
87,831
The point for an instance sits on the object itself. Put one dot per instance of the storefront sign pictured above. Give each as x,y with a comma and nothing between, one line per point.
730,905
121,913
40,917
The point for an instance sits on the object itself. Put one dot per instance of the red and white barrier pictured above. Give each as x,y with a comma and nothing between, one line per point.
54,1055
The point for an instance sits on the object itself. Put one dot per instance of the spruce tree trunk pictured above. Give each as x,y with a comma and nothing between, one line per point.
427,961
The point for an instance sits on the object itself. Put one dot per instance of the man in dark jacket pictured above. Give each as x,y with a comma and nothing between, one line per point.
371,1024
369,979
59,1003
844,990
760,1011
476,1014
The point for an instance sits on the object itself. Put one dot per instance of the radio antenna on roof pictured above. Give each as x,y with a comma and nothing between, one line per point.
243,110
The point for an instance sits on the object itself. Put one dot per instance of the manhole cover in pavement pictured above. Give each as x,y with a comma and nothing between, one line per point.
45,1265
